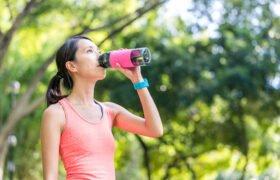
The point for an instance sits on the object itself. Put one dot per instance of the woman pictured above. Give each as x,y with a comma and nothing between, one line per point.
78,128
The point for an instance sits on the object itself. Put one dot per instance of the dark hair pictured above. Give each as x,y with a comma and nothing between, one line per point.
67,52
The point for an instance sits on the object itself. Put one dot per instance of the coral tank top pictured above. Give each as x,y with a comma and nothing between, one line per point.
87,148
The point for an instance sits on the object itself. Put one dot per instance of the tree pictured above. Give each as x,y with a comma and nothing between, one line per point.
27,103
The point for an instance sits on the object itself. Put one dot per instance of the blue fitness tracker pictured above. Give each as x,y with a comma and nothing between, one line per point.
141,84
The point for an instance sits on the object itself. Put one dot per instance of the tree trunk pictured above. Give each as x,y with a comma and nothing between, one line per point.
190,168
146,161
244,168
3,154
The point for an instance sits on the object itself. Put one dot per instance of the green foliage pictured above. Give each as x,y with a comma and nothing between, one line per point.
219,107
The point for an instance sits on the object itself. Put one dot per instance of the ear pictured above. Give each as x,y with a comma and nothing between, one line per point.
71,66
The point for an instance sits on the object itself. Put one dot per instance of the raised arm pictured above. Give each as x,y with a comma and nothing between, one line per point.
51,127
149,125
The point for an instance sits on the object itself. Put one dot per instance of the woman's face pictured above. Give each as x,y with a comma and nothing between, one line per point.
86,63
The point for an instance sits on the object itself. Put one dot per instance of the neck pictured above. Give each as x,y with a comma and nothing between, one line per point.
82,93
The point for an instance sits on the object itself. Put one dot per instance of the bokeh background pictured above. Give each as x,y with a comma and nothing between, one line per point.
214,77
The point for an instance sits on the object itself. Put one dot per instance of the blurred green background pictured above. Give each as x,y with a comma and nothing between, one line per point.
214,76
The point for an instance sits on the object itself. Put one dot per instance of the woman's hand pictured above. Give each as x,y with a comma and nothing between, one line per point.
132,73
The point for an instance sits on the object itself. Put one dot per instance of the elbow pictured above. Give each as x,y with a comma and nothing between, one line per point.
158,134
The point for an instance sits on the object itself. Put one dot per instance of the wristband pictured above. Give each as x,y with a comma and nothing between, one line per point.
141,84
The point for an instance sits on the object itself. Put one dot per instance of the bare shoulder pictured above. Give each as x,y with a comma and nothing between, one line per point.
113,106
109,104
54,116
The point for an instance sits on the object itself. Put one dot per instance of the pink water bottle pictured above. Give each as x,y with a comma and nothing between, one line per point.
125,57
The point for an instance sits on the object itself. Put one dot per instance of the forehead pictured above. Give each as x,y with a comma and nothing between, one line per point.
85,43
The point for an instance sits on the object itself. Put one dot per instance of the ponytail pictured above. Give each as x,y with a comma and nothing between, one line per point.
53,94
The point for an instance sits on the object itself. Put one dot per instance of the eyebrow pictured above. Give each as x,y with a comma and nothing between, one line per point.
92,47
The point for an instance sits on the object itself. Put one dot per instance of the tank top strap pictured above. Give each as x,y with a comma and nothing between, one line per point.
67,110
61,102
110,114
64,105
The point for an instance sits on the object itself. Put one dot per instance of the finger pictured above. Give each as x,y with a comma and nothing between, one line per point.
118,66
121,70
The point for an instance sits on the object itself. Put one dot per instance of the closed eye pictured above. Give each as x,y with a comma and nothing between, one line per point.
90,50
